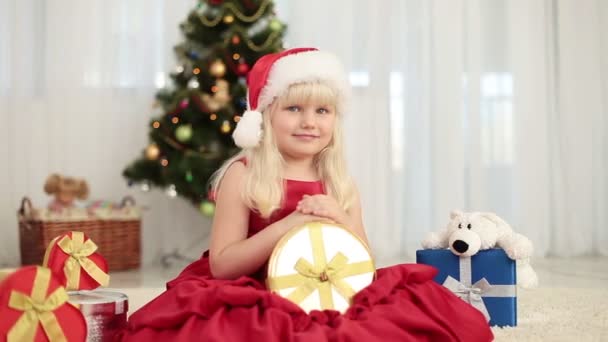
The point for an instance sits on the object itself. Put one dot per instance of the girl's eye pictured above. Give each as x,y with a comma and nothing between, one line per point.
293,108
460,226
469,226
322,111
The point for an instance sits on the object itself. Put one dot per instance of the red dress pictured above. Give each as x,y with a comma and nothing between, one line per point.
402,304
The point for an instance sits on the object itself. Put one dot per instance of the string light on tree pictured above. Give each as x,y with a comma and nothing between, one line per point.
193,83
236,39
145,186
189,177
171,191
228,19
226,127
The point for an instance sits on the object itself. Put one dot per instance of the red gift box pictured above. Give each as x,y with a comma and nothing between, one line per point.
75,262
34,307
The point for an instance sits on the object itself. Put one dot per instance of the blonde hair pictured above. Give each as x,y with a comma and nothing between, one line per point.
264,181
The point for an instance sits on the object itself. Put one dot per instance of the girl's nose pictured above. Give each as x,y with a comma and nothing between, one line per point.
308,118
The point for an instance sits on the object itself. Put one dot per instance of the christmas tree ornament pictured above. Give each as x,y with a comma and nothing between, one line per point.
207,208
242,69
183,133
275,25
217,68
220,98
184,103
152,152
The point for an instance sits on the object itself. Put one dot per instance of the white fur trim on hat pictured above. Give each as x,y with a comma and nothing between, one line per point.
303,67
248,131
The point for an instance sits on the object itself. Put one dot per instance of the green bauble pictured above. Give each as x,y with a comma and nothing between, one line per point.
183,133
207,208
275,25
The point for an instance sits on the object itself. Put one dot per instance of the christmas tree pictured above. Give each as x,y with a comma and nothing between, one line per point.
192,136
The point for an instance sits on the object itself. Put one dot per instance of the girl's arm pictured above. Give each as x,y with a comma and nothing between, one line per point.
356,218
231,253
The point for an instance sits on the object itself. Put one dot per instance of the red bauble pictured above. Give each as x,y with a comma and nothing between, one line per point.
216,2
242,68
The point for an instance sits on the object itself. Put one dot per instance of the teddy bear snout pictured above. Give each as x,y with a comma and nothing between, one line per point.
460,246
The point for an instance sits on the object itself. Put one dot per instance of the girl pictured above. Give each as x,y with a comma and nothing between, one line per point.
291,171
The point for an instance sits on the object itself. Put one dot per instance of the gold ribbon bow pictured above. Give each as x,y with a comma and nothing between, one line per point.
321,275
37,309
79,252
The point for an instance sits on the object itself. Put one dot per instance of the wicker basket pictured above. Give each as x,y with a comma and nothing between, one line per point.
118,240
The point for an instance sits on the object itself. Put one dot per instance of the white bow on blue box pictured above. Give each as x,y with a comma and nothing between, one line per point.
486,281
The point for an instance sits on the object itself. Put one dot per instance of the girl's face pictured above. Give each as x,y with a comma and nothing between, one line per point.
302,128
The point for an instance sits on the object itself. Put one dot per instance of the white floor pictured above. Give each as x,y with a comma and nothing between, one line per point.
583,272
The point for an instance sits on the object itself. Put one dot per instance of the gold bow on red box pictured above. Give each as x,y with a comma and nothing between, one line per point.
34,307
70,254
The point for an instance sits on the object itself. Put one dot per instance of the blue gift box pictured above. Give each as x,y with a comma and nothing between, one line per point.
489,267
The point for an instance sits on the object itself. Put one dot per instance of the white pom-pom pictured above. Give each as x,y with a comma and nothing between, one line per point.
249,130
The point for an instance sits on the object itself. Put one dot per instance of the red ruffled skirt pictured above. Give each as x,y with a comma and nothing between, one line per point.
402,304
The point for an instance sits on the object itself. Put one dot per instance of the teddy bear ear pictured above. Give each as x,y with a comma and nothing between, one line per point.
492,217
456,213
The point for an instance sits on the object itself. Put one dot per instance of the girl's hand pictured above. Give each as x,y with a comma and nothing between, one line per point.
297,218
324,206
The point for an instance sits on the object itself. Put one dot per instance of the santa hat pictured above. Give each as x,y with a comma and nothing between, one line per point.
272,75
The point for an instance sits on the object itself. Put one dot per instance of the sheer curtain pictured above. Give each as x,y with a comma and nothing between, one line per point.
491,105
77,84
494,105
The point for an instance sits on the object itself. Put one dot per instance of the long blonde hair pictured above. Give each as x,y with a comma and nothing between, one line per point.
264,181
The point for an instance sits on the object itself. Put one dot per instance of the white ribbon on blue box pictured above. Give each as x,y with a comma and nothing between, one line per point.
486,281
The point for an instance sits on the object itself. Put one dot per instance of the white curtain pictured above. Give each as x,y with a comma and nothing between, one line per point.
494,105
77,85
489,105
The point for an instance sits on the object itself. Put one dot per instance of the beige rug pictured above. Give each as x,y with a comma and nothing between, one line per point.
544,314
559,314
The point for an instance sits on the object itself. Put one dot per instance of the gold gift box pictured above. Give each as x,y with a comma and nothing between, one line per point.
320,266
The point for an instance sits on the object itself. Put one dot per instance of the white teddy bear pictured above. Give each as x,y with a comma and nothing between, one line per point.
468,233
